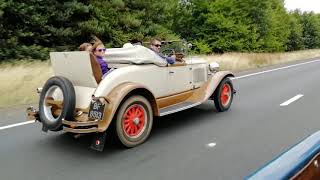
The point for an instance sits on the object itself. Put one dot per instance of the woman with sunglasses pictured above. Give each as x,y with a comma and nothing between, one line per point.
95,65
98,51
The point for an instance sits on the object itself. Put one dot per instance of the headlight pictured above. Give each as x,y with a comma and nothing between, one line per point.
214,67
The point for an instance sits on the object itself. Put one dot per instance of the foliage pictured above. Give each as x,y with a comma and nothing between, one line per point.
30,29
295,39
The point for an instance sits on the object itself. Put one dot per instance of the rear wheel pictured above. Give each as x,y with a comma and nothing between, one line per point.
134,121
224,95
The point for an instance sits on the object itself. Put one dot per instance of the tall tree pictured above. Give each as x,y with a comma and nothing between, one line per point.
295,39
34,24
120,21
311,31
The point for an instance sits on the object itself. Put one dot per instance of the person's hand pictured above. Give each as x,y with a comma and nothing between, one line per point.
172,53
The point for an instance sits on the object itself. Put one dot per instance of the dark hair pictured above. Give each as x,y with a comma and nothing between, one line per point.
136,42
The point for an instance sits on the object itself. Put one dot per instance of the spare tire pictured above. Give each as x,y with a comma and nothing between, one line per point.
62,89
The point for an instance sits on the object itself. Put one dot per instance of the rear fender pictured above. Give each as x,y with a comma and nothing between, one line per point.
115,98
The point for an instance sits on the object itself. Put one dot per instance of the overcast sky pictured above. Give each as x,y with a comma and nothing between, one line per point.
303,5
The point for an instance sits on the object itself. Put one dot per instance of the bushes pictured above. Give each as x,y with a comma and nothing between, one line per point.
30,29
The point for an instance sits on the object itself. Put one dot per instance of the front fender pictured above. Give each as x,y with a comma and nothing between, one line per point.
115,97
208,88
215,81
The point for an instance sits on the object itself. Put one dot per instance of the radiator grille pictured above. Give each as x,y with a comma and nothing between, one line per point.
198,75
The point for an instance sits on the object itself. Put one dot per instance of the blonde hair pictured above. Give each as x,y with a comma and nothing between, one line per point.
94,47
84,46
96,42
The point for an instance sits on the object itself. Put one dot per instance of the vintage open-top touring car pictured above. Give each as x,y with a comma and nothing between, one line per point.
140,85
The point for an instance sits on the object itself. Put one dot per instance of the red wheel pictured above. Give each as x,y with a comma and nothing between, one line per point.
134,121
223,95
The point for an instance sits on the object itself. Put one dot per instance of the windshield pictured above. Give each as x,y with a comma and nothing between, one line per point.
172,47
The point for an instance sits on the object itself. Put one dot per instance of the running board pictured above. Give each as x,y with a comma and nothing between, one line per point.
178,107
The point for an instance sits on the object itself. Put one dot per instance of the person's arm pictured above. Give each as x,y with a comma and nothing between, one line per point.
171,59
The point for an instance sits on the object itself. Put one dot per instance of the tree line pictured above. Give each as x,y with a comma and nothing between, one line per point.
31,29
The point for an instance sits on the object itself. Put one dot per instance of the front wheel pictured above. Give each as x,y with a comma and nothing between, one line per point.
134,121
223,95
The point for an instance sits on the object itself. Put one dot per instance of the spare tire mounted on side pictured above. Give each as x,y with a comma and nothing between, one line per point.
62,89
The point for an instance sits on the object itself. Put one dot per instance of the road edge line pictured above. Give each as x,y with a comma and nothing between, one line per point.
15,125
276,69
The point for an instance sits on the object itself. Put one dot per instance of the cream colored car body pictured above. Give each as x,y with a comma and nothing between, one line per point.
169,88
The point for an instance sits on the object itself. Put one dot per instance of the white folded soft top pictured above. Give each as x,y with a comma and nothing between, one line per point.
76,65
133,54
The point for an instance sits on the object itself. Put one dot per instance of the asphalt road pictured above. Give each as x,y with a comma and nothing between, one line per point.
198,143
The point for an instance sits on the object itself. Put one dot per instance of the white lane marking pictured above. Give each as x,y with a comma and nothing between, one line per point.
14,125
211,145
286,103
277,69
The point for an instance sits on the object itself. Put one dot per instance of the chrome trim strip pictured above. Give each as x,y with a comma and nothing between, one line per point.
180,109
79,124
80,131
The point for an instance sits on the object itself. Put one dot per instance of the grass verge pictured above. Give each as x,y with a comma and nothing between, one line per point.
245,61
18,81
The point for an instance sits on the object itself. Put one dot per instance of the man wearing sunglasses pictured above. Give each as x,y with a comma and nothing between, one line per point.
155,45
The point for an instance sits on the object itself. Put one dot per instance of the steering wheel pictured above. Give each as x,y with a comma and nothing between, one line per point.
179,57
171,52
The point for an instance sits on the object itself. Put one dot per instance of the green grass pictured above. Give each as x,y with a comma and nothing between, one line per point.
19,80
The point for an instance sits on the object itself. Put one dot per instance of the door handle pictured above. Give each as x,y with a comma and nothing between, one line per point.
171,72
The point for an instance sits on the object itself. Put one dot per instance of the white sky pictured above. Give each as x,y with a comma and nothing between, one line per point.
303,5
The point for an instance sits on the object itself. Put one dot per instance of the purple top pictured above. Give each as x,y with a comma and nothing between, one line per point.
103,64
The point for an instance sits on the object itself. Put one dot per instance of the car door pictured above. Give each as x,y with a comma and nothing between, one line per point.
179,78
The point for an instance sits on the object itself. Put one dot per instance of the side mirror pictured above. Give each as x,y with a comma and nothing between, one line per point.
214,67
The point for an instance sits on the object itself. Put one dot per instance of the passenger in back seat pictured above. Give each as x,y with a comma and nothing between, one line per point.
98,51
96,69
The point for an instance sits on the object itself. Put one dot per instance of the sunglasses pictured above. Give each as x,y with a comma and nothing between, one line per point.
100,50
157,45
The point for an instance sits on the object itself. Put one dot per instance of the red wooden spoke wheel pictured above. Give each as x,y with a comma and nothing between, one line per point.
223,95
134,121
